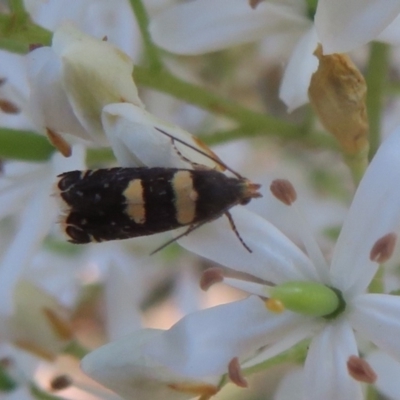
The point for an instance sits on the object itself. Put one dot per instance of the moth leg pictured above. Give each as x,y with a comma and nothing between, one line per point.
233,226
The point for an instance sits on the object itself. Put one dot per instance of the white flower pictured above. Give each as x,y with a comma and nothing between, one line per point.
209,343
207,25
26,190
83,86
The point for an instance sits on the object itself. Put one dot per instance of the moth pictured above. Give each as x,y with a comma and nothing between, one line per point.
120,203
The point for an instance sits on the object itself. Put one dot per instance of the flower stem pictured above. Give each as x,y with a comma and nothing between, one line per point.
376,78
24,145
17,7
251,121
152,54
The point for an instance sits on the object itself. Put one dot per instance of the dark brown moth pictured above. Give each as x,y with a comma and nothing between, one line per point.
120,203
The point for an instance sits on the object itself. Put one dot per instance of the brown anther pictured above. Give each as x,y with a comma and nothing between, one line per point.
60,382
235,373
383,248
105,38
3,81
254,3
8,107
60,326
59,142
284,191
34,46
196,389
210,277
360,370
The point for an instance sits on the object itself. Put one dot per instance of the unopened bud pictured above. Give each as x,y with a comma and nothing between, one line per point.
337,93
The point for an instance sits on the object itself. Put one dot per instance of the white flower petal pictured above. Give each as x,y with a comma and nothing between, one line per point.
136,143
344,25
34,227
203,343
123,367
273,258
392,33
298,72
326,371
201,26
377,317
121,298
48,103
374,213
388,371
291,387
288,339
94,74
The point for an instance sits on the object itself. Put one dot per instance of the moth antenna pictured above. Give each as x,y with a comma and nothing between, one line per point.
233,226
201,152
193,164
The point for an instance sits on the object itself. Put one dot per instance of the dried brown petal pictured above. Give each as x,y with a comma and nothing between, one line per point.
337,92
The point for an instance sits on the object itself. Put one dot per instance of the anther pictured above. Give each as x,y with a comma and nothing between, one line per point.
284,191
275,306
210,277
235,373
59,142
60,382
360,370
383,248
254,3
8,107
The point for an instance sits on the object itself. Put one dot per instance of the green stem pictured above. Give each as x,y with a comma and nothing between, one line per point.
376,285
142,19
376,78
251,121
7,383
17,6
296,354
17,33
24,145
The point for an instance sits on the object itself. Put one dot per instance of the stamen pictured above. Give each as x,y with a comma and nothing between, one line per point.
275,306
254,3
204,390
383,248
360,370
59,142
60,327
210,277
235,373
8,107
284,191
3,81
60,382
